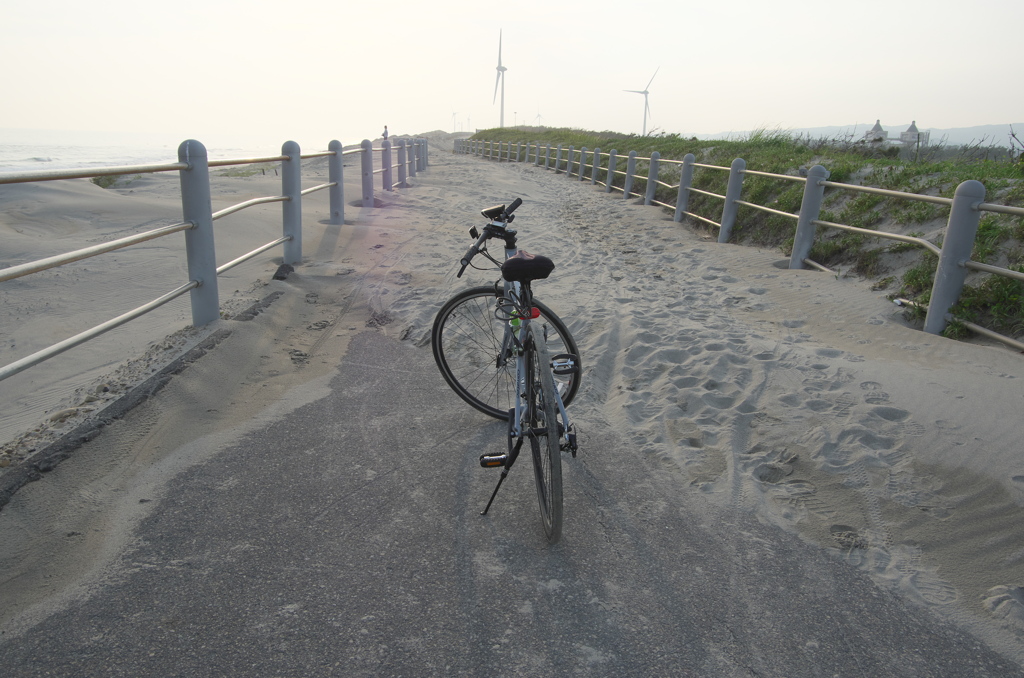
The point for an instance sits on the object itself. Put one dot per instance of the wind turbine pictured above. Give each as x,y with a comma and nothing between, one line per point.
453,121
500,81
647,108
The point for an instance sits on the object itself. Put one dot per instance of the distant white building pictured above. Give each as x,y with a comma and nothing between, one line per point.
912,137
876,135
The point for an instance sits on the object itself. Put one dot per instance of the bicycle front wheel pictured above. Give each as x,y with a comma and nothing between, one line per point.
544,434
473,349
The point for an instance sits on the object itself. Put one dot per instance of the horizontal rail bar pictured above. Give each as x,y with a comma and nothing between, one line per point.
892,194
1003,209
988,333
814,264
55,175
246,257
318,187
1009,273
767,209
707,193
248,203
661,204
247,161
700,218
671,161
47,353
20,270
318,154
882,234
787,177
717,167
662,183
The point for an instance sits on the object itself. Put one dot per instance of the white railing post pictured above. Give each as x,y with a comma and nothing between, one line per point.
335,174
627,189
291,188
401,163
685,181
581,170
366,158
570,158
612,157
595,163
652,178
414,156
558,159
732,194
199,242
810,210
385,163
957,245
425,146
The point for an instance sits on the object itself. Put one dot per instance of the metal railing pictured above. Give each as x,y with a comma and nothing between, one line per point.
197,222
965,210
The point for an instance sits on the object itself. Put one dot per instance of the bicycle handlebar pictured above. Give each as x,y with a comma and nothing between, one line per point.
475,249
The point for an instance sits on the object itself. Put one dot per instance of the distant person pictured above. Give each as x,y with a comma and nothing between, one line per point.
385,132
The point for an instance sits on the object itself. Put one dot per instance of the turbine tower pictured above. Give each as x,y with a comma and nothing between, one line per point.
500,81
647,108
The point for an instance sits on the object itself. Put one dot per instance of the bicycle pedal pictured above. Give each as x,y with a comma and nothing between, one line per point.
493,460
565,364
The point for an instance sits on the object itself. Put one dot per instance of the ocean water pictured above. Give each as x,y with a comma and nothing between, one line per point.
37,150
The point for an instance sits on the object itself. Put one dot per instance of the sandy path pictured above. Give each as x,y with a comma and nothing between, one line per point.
800,398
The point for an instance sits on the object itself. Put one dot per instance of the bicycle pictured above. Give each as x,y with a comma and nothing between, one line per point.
491,344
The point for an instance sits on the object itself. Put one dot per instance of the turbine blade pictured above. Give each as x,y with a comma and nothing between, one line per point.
634,91
499,48
652,77
496,83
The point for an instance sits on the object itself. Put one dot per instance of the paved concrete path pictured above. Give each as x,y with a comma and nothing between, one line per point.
345,539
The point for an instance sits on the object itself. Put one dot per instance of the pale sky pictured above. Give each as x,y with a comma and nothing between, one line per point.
316,70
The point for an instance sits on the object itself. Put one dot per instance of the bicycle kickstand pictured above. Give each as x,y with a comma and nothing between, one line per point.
506,461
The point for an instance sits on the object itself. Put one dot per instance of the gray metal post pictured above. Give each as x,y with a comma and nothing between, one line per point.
595,164
199,247
652,178
732,194
426,154
582,169
547,157
810,209
957,246
366,158
569,158
519,151
612,157
558,159
414,156
536,154
291,188
685,181
401,163
385,163
630,171
335,174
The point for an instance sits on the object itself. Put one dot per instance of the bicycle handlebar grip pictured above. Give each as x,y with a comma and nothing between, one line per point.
470,253
515,204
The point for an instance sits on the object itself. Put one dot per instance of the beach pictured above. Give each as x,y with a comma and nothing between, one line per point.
800,398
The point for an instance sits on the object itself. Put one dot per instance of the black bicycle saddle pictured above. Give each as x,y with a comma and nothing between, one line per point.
524,267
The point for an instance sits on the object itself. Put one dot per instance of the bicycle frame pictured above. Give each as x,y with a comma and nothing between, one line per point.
513,291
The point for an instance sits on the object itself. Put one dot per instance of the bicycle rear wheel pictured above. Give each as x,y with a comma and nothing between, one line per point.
473,350
543,431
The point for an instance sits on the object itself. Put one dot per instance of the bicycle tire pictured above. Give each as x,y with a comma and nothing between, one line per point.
466,340
544,435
